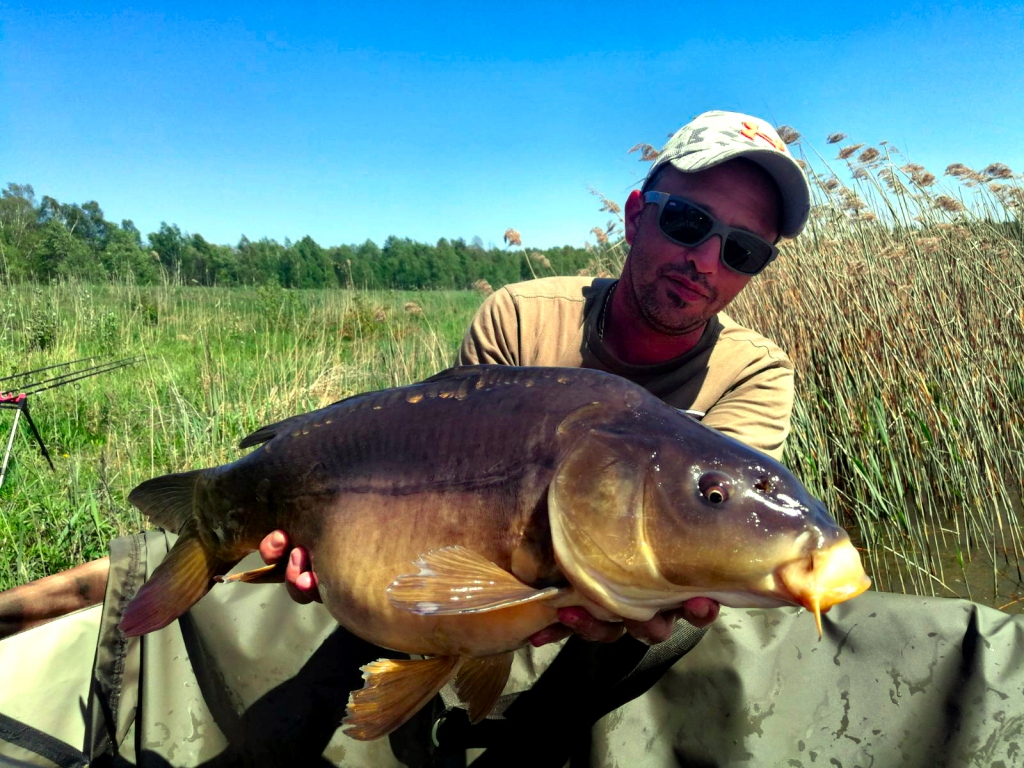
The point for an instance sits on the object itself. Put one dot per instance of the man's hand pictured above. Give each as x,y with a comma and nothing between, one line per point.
298,575
699,611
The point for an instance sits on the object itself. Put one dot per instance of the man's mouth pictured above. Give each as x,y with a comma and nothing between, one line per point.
687,288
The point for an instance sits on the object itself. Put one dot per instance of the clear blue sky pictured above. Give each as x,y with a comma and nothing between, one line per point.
348,121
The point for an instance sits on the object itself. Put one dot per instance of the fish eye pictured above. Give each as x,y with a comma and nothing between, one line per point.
715,487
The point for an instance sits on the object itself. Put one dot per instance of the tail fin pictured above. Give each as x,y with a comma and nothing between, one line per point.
186,573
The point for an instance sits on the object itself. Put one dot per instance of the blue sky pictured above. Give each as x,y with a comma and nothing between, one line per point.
348,121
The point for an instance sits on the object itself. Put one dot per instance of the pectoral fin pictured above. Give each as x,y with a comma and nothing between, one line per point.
480,683
456,580
395,690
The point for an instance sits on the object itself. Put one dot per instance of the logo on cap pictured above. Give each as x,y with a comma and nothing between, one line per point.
753,131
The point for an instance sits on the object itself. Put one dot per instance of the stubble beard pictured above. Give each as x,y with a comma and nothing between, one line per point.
652,299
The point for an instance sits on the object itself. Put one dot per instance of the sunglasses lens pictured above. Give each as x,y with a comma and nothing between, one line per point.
683,223
686,224
746,253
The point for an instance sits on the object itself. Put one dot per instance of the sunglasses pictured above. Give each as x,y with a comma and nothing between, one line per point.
688,224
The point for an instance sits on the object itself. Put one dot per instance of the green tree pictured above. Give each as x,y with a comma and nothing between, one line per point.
18,229
60,253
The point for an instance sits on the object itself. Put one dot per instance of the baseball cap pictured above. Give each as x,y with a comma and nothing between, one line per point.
714,137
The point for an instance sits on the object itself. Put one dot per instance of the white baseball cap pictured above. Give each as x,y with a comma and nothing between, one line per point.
714,137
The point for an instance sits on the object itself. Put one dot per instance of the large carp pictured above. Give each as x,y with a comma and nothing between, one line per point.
454,517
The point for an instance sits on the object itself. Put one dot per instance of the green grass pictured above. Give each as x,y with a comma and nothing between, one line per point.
219,364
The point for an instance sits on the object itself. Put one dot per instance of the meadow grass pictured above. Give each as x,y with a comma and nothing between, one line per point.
219,364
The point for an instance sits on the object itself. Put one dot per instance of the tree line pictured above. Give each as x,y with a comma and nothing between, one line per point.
47,240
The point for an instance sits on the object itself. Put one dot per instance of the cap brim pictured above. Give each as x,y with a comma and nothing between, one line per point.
792,183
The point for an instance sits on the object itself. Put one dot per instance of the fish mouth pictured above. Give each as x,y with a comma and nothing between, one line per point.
825,578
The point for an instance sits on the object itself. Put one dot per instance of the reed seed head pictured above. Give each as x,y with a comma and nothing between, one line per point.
606,205
647,152
541,259
788,134
948,204
835,138
997,171
512,237
869,155
847,152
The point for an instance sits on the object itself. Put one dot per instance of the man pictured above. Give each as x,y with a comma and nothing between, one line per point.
715,202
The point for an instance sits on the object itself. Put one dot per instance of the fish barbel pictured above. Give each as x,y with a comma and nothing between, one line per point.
453,518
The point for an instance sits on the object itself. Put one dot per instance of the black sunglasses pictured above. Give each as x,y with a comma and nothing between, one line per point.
688,224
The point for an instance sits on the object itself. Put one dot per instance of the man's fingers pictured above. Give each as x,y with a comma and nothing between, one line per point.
273,547
700,611
580,621
298,574
301,581
656,630
551,634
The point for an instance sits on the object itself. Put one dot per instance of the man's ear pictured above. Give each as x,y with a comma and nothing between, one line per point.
634,207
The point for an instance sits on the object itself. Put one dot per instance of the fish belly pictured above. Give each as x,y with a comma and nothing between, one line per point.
373,538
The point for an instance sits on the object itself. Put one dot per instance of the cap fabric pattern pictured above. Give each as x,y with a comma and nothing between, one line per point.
714,137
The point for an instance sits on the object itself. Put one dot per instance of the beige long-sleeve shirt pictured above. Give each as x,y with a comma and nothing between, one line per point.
740,380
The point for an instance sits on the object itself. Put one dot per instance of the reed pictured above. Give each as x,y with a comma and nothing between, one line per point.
901,307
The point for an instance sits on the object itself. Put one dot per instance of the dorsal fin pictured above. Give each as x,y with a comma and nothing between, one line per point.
269,432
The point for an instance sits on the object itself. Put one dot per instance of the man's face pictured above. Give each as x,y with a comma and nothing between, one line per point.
678,289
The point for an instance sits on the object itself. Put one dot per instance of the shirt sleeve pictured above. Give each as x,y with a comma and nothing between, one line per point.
493,335
756,409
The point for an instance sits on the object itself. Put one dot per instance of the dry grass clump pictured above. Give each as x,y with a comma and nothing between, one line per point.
648,153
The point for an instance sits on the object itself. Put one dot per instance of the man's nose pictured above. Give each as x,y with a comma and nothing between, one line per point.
705,256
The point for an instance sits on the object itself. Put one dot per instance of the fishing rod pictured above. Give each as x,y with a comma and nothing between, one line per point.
66,378
18,401
46,368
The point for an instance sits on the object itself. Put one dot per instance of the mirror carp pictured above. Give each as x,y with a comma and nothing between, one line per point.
452,518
